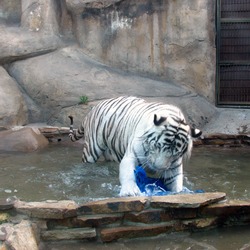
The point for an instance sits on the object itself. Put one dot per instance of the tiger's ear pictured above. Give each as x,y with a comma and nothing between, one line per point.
195,133
159,121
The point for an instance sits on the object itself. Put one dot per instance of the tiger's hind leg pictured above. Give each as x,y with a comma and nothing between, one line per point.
90,153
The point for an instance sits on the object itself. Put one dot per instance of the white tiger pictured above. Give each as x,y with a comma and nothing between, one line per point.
134,132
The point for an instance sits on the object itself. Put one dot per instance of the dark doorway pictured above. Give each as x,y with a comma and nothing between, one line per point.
233,53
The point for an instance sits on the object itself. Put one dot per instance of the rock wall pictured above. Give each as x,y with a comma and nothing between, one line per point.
170,40
34,224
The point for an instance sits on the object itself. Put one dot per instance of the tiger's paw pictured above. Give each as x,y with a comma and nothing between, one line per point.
130,189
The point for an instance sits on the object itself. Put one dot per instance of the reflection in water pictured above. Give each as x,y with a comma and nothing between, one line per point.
219,169
57,173
217,239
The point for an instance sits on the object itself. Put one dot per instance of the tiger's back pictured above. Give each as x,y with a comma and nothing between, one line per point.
111,124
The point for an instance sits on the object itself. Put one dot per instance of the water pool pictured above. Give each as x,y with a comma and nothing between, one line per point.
57,172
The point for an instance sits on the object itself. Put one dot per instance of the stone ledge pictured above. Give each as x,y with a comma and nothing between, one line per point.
186,200
67,209
47,210
228,208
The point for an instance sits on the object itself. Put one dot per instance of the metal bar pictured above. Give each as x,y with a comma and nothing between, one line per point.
218,28
242,63
235,20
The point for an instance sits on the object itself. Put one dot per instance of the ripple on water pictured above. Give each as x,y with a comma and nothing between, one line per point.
57,173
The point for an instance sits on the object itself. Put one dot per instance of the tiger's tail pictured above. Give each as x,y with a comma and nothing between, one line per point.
75,134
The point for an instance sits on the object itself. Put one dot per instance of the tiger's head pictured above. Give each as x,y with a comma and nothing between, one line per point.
167,142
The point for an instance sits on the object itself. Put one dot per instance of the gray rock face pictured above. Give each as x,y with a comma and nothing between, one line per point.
13,109
18,43
10,11
71,74
170,40
229,121
37,31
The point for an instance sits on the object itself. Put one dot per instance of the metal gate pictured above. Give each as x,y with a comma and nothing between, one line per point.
233,53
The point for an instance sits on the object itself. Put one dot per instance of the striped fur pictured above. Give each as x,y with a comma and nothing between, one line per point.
134,132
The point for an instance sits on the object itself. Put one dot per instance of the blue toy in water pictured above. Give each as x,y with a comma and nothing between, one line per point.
151,186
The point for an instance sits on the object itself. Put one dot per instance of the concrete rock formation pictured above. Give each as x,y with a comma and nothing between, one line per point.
22,140
170,40
13,108
54,52
64,83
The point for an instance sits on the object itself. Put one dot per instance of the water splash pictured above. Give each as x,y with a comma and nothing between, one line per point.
151,186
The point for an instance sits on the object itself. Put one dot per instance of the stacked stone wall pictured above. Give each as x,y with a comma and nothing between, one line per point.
116,218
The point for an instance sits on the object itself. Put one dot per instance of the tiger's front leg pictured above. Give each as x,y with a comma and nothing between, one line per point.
127,178
174,179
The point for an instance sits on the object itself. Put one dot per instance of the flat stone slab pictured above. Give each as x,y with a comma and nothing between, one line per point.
69,234
228,208
48,209
186,200
114,205
111,234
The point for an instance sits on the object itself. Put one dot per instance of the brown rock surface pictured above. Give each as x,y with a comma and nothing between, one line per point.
228,208
111,234
22,140
21,236
148,216
186,200
47,210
